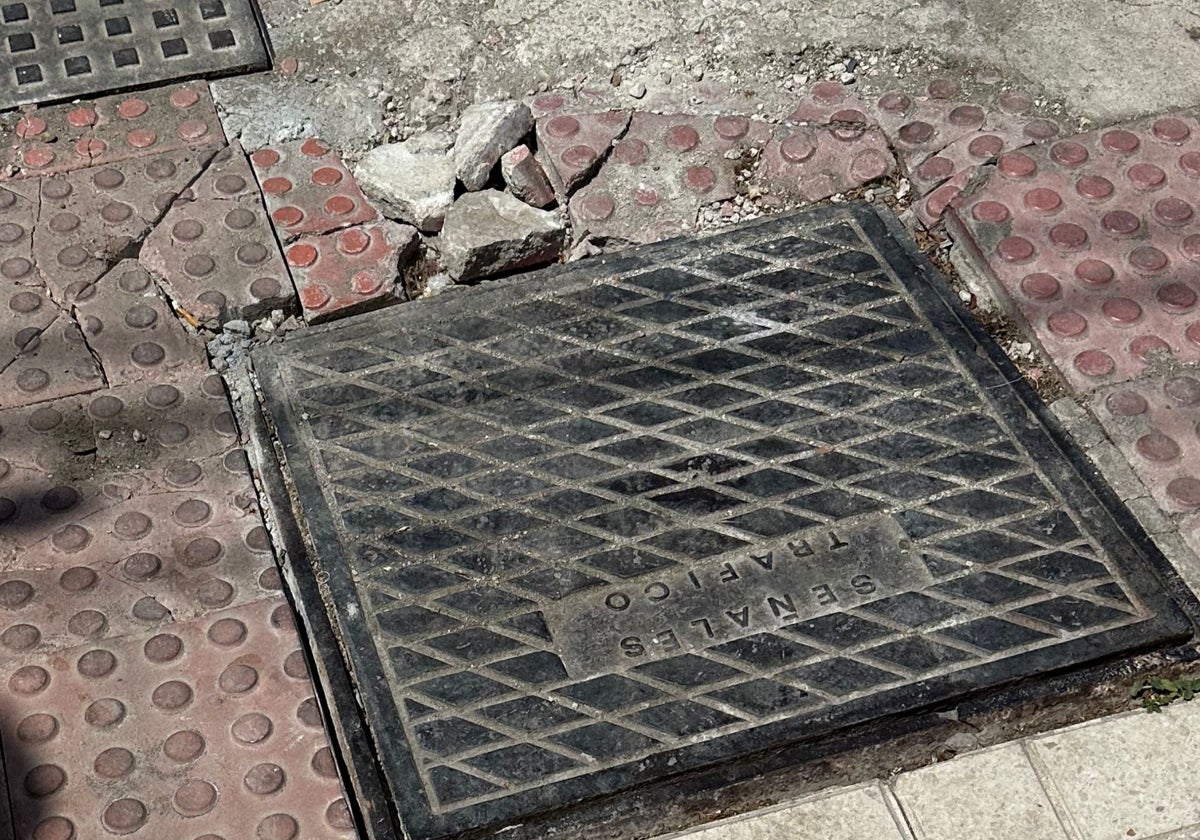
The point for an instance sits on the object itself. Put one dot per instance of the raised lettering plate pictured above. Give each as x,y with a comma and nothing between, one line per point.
661,510
812,573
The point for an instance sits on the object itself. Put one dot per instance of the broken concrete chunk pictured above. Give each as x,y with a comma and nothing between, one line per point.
430,141
490,232
525,177
488,130
414,187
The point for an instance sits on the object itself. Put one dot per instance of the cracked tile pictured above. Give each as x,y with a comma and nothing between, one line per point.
215,248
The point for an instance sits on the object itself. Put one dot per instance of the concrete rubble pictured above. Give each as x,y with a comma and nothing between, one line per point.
492,232
488,131
411,186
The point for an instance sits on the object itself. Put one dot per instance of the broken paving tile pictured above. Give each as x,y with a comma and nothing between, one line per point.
24,313
572,146
19,202
89,217
54,362
308,190
414,186
1095,242
349,271
815,162
1153,422
829,102
112,128
215,248
208,726
657,176
492,232
487,130
526,178
132,330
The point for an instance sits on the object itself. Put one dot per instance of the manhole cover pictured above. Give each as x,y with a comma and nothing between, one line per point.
58,49
592,529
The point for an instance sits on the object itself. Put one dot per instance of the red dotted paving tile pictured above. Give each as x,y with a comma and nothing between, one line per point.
656,178
145,484
91,216
215,249
204,729
152,122
1096,242
829,102
49,364
355,269
815,162
308,189
571,146
132,330
1156,423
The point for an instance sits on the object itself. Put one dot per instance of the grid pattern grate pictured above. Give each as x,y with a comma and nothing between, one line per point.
480,474
57,49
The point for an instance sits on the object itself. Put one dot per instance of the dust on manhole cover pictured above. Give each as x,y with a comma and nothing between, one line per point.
58,49
605,525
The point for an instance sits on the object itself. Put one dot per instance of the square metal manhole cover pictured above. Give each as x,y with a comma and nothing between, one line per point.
58,49
595,528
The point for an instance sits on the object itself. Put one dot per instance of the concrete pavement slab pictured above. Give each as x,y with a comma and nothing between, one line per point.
979,796
865,812
1125,776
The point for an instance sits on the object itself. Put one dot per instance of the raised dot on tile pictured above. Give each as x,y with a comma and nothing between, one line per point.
1041,286
1068,324
1183,390
1157,447
252,728
1094,363
114,763
1122,311
1185,491
1145,346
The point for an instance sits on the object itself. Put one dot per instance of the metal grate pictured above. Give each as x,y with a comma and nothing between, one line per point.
593,529
57,49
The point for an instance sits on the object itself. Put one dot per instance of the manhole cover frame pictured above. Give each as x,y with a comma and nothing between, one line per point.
73,49
1149,574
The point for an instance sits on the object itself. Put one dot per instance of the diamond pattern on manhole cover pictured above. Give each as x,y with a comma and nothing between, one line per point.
592,529
58,49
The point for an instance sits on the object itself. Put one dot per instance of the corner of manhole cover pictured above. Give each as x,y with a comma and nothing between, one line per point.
58,49
595,528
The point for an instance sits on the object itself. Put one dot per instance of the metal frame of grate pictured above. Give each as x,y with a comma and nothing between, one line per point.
57,49
478,475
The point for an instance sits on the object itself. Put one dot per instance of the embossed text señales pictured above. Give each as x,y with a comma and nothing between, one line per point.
766,605
706,602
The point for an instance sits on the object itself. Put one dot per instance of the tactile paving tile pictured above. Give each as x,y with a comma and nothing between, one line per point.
657,176
349,271
91,217
126,445
555,515
572,145
145,485
815,162
25,313
308,189
152,122
203,729
51,363
215,248
132,330
1096,243
18,217
1156,423
59,49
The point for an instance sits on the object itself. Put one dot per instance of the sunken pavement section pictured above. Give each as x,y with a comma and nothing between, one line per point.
153,671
